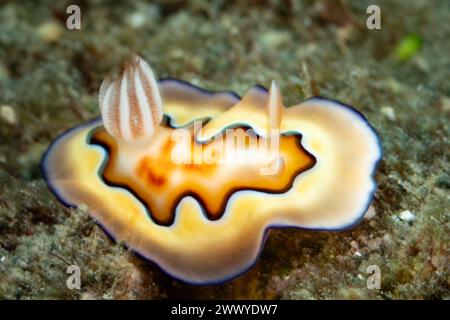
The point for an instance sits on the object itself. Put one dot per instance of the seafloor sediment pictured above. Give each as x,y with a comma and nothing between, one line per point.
397,76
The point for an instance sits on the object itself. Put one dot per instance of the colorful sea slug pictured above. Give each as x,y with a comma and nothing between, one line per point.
206,221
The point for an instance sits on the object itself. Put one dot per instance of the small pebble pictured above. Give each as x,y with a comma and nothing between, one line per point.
422,64
351,294
445,104
439,261
274,39
407,216
370,213
388,112
136,20
50,31
387,239
8,114
89,296
83,208
107,296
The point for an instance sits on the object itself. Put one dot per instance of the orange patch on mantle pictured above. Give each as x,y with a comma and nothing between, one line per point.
160,183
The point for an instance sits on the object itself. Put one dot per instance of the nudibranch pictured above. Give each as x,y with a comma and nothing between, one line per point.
205,221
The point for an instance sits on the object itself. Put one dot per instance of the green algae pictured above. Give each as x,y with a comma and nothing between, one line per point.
311,48
408,47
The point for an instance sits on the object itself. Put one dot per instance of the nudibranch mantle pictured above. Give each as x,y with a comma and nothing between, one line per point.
329,186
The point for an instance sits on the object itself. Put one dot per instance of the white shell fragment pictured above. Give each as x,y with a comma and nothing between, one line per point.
8,114
370,213
407,216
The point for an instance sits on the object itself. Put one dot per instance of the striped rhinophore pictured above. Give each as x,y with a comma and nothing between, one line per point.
131,106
